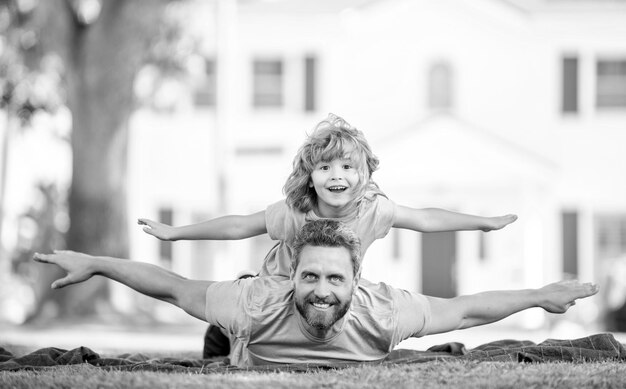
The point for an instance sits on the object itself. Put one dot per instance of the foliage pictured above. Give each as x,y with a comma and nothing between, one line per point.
25,90
166,67
61,52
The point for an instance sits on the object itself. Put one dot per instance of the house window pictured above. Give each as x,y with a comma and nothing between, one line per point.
569,88
611,83
206,87
610,236
166,216
267,83
440,85
569,223
310,79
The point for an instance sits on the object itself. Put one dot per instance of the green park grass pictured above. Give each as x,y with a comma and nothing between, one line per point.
453,374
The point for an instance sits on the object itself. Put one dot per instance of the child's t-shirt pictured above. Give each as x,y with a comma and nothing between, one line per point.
372,220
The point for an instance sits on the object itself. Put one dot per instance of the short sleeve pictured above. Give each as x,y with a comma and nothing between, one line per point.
385,214
226,305
414,315
282,222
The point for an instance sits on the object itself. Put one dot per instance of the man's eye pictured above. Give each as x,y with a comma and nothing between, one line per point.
336,279
308,277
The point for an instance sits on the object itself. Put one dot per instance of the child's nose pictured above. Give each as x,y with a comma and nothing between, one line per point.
336,174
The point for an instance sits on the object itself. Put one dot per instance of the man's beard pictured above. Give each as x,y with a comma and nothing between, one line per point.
322,320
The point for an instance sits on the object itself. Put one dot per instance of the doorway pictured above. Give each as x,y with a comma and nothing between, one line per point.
439,264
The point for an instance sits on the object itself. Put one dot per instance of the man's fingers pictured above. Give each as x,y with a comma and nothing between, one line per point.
590,289
45,258
64,252
60,283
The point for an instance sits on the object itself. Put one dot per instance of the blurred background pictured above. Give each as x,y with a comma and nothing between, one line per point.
185,110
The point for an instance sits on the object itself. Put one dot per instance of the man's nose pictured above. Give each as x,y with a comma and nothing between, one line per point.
321,289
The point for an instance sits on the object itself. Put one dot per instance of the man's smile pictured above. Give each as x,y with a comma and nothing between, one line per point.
321,305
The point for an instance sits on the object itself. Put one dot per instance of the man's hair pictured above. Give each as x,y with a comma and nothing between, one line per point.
328,233
331,139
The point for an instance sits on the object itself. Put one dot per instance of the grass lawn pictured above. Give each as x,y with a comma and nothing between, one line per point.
457,374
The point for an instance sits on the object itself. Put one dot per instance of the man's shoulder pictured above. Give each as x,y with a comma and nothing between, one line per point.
375,297
267,290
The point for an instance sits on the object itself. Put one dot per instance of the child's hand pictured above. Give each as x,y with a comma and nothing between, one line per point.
156,229
77,266
498,222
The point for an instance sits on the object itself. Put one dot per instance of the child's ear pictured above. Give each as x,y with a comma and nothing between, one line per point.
310,184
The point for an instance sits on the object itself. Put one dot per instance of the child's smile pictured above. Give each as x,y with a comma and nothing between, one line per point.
337,188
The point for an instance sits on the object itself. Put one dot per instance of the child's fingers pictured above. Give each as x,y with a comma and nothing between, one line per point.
146,222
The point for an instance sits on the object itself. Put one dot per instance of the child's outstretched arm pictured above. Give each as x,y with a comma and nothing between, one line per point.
438,220
487,307
222,228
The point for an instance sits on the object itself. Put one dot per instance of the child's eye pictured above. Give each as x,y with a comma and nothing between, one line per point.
324,167
347,166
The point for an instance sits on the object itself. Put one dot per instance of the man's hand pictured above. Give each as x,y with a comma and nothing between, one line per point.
498,222
79,267
560,296
156,229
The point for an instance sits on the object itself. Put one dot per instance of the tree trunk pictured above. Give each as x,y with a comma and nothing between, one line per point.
101,60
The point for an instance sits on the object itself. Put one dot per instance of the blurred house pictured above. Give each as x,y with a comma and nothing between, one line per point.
486,107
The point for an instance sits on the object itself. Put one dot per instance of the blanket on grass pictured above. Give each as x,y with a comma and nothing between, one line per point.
600,347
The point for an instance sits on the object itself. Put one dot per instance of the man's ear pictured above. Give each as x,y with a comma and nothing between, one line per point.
357,278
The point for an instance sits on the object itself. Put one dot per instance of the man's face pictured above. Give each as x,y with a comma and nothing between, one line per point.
324,283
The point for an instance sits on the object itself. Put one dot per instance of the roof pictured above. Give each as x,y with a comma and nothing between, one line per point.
444,149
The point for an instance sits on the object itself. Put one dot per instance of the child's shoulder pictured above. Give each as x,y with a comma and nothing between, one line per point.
374,196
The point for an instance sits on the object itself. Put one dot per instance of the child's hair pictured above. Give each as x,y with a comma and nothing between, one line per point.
332,138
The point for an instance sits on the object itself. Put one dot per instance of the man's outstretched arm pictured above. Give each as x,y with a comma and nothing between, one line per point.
145,278
488,307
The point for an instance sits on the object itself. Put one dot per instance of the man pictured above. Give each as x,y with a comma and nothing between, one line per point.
322,313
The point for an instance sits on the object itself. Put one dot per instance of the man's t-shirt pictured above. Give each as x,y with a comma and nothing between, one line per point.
371,220
265,327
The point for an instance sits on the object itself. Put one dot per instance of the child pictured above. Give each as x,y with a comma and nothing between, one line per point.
331,178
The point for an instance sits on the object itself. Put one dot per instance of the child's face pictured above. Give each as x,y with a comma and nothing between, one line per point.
336,184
